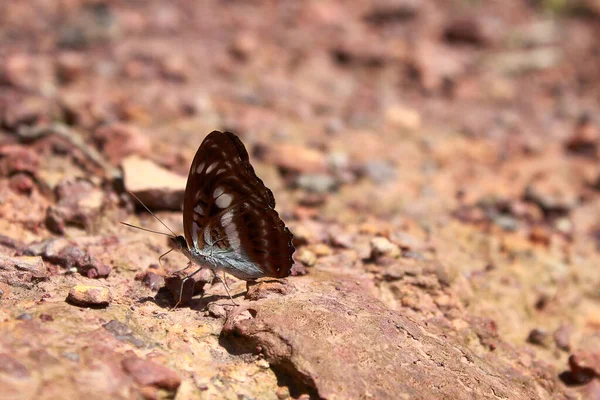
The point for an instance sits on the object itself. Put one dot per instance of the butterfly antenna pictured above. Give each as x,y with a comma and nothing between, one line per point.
144,229
158,219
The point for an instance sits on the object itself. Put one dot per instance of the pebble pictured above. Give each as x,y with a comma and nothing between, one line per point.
119,140
156,187
562,337
381,246
321,250
403,118
148,373
306,257
538,337
294,158
316,183
83,295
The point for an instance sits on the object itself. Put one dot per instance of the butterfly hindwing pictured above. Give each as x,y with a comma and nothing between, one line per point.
229,209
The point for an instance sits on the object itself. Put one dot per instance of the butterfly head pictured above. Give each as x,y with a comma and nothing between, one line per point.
178,243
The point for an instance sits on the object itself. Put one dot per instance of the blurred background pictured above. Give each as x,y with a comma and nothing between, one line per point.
460,130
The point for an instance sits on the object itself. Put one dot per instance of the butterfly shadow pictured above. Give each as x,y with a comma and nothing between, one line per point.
164,299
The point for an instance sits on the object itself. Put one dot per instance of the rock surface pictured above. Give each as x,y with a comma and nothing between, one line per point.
340,343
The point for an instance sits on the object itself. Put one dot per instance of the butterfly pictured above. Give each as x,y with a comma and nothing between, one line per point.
229,219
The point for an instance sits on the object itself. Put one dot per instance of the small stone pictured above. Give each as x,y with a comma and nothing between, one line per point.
585,138
216,310
17,158
270,288
389,11
316,183
46,318
148,373
153,281
562,337
69,257
79,204
262,363
552,194
507,223
244,45
21,183
69,67
540,234
156,187
25,317
403,118
538,337
381,246
468,30
283,392
183,289
400,269
306,257
123,333
22,271
293,158
321,250
85,296
118,140
584,366
379,171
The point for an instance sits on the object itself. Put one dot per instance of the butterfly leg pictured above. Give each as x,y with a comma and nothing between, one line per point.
161,256
183,281
223,280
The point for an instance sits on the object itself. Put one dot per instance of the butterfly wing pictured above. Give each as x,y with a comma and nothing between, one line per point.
228,207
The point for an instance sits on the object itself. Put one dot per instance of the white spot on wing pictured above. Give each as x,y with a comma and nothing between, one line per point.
211,167
226,219
199,210
224,200
220,171
233,236
218,191
200,167
195,234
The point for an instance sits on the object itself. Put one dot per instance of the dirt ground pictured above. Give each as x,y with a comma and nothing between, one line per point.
437,162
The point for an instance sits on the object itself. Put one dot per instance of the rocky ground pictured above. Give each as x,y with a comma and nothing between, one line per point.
437,162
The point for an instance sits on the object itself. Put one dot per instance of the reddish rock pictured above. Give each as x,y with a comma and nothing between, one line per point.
327,322
562,337
585,366
293,158
183,289
269,288
584,140
79,204
63,253
89,296
148,373
69,67
22,183
156,187
22,271
17,158
118,140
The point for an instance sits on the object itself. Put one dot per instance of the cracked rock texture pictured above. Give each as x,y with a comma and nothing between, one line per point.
437,164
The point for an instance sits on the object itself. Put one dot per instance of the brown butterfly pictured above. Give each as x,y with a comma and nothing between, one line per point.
229,218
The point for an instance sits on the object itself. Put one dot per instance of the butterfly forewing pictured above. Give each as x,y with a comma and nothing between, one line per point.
227,208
